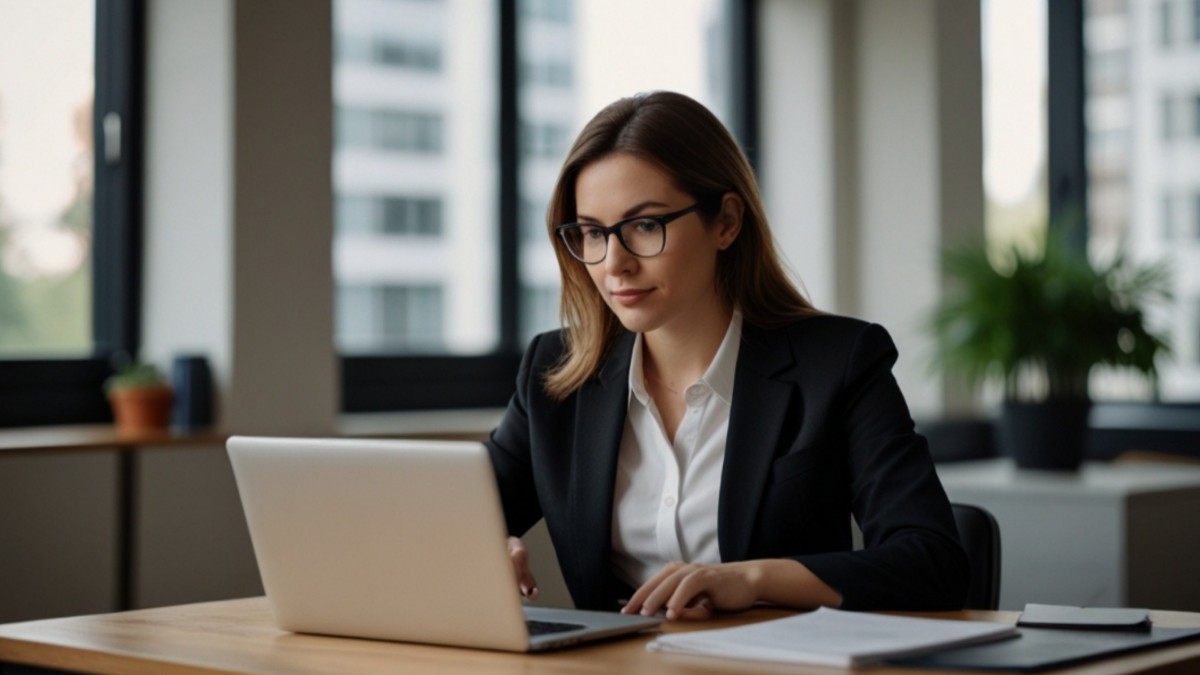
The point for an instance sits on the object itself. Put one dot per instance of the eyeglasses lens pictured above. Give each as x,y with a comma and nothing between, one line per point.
589,243
644,237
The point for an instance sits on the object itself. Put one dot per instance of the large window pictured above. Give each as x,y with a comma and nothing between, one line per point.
415,178
1015,116
46,150
386,318
1142,78
601,50
1095,105
453,120
69,116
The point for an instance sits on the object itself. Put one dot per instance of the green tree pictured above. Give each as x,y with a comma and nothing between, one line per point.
13,318
51,313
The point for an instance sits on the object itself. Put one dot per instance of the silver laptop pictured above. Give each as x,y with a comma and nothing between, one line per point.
394,540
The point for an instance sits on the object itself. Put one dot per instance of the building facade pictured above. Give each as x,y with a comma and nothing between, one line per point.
1143,118
415,170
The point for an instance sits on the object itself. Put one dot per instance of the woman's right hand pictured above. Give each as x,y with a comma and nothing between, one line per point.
520,561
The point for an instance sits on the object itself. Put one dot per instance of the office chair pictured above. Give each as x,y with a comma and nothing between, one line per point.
980,536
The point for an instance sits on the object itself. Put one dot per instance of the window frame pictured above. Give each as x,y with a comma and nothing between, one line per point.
45,391
1066,131
377,383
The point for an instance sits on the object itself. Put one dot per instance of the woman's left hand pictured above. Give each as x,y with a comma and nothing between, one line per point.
693,591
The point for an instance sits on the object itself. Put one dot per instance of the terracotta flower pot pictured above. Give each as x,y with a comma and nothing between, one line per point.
141,408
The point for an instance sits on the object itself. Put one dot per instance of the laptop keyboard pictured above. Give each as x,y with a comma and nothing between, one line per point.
546,627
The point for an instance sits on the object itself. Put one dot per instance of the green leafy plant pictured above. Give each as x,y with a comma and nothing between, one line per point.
135,375
1050,317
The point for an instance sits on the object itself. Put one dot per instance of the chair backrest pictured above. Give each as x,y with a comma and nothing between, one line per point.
980,536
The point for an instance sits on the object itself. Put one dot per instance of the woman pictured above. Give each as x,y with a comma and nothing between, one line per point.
698,435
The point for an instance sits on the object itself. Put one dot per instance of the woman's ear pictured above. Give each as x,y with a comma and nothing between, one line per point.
729,219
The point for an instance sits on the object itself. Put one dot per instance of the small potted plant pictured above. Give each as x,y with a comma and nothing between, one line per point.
140,398
1038,324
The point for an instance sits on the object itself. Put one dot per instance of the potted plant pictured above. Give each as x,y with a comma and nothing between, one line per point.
1038,324
140,398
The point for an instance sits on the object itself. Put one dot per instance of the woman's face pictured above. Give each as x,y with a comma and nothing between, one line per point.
674,288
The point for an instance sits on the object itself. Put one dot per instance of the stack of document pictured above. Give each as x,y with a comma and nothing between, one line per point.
833,637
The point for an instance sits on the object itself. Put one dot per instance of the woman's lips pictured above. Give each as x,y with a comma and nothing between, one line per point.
630,296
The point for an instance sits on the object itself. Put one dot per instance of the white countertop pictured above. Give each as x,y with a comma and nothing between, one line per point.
1101,478
470,421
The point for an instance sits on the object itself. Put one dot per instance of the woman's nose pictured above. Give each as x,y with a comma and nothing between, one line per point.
618,260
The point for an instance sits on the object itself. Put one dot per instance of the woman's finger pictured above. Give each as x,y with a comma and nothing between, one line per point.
690,598
638,599
699,610
728,587
520,561
665,589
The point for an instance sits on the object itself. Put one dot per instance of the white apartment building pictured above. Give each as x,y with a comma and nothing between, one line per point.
1143,117
415,170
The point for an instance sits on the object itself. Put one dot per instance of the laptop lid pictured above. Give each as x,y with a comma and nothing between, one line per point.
390,539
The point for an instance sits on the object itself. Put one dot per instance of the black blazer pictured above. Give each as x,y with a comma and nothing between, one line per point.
818,430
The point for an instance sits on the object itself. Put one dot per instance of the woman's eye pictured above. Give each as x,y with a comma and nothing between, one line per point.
591,232
647,226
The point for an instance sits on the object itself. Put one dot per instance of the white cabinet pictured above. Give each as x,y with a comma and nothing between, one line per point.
1123,534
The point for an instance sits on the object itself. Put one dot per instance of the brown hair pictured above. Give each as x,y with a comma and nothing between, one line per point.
686,141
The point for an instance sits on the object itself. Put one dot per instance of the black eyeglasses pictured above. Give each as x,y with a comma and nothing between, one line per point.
643,236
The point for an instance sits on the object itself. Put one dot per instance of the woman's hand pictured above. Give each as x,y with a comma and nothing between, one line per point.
520,561
694,591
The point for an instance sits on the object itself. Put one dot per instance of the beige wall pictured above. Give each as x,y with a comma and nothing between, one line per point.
189,183
873,111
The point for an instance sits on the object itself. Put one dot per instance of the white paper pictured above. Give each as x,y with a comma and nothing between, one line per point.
833,637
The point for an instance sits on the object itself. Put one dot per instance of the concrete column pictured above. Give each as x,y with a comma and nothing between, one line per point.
285,365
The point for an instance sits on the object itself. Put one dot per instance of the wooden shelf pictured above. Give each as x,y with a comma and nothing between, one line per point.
97,437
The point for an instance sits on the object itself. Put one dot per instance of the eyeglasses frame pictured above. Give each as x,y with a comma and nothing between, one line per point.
615,228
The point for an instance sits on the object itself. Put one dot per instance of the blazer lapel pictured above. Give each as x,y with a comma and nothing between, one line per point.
756,419
600,421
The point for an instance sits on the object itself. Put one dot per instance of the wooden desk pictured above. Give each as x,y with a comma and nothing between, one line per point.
238,636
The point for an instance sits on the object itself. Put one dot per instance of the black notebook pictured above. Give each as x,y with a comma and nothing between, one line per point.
1084,618
1045,648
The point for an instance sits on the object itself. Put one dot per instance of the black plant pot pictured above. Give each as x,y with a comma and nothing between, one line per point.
1050,435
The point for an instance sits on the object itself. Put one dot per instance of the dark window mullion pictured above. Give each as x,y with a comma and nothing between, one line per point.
744,75
117,209
509,175
53,391
1067,151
